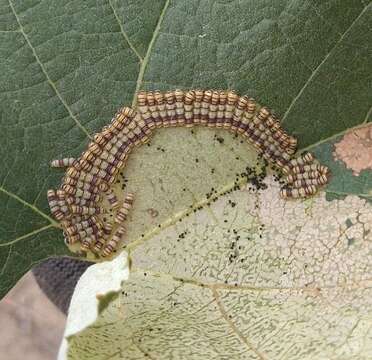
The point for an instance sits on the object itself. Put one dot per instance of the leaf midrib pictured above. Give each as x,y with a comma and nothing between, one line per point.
148,52
125,36
362,284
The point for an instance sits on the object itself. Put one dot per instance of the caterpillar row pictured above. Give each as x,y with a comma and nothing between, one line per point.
88,178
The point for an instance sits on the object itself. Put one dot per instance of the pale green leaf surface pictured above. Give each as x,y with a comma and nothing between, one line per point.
95,290
66,67
260,279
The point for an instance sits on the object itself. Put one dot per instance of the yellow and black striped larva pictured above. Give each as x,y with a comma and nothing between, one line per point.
61,163
320,180
188,105
231,100
112,244
54,204
87,243
311,167
85,210
88,179
302,160
123,211
304,191
290,178
304,176
98,245
112,199
107,228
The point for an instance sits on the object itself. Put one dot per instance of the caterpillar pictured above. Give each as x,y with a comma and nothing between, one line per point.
61,163
123,211
87,178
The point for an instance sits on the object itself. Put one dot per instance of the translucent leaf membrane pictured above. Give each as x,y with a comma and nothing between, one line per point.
252,276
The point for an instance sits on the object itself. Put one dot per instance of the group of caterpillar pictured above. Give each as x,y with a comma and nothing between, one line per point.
75,203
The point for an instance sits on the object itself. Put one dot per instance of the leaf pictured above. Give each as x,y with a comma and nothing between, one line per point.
303,287
349,158
278,279
288,55
96,289
66,68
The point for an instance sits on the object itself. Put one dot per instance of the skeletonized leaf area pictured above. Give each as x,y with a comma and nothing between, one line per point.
283,280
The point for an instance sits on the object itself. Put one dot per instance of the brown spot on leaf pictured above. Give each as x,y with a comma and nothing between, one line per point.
355,150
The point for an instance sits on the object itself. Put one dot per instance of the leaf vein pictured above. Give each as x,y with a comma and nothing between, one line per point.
126,37
42,67
6,262
232,326
148,52
9,31
316,70
369,112
25,203
181,215
332,137
25,236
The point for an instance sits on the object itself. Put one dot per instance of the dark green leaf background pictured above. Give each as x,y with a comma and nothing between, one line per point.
66,66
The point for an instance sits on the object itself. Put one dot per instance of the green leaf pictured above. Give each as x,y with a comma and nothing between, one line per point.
67,66
65,69
349,158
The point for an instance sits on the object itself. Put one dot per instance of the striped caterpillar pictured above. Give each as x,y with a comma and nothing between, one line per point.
87,178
